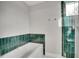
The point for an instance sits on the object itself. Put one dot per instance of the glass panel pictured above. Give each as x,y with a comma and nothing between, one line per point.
69,21
69,10
69,36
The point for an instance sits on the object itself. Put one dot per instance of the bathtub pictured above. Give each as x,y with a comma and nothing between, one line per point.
29,50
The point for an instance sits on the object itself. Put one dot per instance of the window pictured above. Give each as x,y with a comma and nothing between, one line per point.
71,8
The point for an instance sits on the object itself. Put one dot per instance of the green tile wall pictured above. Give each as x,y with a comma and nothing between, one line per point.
69,46
7,44
37,38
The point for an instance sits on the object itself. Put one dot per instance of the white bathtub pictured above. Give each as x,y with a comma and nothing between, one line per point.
28,50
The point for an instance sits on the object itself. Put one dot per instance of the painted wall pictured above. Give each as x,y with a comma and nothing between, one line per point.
43,21
14,18
77,43
76,18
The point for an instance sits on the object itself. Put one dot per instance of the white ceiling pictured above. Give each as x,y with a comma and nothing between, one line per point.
31,3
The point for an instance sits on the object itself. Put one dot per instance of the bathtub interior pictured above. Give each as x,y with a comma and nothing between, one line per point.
25,51
13,43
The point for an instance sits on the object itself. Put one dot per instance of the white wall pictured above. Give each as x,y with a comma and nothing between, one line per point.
77,42
77,36
14,18
40,24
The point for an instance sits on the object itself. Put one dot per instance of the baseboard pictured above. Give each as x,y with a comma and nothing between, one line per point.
53,55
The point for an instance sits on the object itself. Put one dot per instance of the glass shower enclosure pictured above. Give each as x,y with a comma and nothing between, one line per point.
69,12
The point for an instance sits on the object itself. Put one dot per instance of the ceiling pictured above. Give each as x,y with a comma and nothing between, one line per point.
31,3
